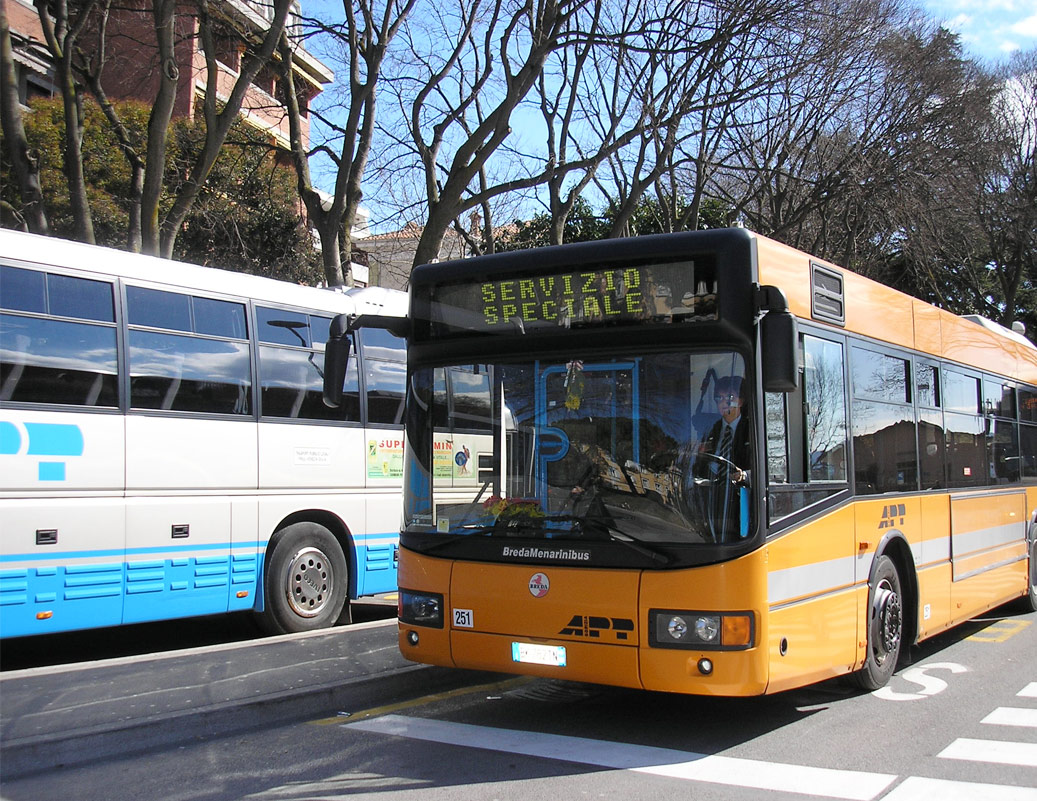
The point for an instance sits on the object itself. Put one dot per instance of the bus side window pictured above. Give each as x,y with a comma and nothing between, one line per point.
777,439
885,455
291,374
384,358
1002,432
824,410
191,370
806,433
931,434
57,339
966,430
1028,433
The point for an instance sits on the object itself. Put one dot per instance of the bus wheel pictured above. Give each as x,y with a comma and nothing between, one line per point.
885,626
306,580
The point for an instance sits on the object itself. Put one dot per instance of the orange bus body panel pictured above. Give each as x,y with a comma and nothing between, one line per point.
885,314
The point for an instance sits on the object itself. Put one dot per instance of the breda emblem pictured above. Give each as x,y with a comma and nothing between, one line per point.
539,585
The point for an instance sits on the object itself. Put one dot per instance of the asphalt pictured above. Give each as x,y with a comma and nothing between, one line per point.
66,715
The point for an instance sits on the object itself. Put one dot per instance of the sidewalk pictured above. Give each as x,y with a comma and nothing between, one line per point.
70,714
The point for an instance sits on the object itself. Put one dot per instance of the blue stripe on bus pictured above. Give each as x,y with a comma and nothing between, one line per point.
10,438
51,471
109,593
54,439
172,549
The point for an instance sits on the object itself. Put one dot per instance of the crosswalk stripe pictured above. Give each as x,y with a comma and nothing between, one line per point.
915,788
997,751
1029,691
1012,716
845,784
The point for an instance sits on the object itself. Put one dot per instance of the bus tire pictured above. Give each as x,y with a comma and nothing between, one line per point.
306,582
885,626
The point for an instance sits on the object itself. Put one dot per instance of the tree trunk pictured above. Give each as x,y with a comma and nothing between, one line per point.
25,168
158,126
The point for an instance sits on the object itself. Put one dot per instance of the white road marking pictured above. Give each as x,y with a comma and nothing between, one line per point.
914,788
826,782
1012,716
1029,691
996,751
931,685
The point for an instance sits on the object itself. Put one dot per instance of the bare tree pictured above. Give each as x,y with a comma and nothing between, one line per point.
1007,207
828,108
968,243
364,39
588,101
470,65
708,59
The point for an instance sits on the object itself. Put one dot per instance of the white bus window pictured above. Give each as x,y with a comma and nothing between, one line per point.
219,318
46,360
157,309
961,392
52,361
386,384
377,343
283,327
291,385
189,374
23,290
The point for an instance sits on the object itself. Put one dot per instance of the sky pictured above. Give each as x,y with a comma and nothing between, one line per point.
990,30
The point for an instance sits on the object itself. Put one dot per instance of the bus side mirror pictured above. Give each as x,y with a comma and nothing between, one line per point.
336,357
779,337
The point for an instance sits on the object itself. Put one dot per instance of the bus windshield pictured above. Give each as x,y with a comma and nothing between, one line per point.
651,449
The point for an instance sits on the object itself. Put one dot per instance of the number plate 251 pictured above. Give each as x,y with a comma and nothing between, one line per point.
463,619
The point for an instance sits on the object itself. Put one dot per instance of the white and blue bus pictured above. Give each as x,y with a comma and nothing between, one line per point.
165,451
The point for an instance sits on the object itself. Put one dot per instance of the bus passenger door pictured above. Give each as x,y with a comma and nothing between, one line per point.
181,475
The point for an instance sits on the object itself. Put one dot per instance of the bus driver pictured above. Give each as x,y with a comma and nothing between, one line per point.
723,452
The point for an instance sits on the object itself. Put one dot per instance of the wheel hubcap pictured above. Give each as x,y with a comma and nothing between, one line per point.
890,621
309,582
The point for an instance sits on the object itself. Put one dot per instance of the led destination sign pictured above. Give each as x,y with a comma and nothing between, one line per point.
672,292
610,294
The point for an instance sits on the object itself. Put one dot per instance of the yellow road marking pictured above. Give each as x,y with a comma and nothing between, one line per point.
1000,631
496,687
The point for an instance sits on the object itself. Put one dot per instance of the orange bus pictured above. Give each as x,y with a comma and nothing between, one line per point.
704,463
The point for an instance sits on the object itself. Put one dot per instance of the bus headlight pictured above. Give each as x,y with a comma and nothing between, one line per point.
707,628
701,630
421,608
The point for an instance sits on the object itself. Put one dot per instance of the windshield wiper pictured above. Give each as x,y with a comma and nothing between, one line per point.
616,534
443,541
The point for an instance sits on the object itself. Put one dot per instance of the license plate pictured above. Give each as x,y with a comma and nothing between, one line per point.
533,654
